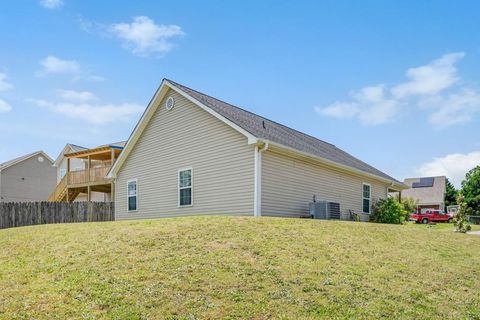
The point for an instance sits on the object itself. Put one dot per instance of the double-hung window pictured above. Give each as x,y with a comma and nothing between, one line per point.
366,197
132,194
185,187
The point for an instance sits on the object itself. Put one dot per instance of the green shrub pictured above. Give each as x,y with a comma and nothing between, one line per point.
460,220
388,210
409,204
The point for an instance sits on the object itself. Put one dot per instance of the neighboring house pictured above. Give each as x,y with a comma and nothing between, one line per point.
428,191
27,178
81,173
61,161
192,154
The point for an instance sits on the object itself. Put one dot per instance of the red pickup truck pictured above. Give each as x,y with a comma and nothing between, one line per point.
431,216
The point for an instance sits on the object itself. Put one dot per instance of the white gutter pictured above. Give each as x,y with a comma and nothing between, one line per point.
257,201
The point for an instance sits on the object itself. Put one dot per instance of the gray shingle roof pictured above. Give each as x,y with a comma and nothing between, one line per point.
263,128
77,148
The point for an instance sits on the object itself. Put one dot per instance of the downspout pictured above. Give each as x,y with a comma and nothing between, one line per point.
257,202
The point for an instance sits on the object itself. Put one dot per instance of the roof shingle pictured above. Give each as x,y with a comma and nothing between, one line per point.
263,128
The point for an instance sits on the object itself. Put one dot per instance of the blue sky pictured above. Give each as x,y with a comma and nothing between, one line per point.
395,83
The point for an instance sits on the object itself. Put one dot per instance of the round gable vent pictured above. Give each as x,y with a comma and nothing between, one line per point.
40,159
169,103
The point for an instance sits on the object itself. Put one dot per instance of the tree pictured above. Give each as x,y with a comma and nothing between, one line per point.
460,220
409,204
450,194
471,190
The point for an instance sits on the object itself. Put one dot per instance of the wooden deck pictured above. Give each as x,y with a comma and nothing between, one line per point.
76,182
97,163
84,178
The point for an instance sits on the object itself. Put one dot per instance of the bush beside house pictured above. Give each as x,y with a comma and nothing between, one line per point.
388,211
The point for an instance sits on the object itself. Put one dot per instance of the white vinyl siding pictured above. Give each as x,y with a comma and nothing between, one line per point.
289,183
188,137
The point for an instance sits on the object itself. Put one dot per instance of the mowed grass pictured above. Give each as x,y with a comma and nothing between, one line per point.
238,267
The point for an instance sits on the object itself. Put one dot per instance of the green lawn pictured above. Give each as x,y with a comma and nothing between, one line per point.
221,267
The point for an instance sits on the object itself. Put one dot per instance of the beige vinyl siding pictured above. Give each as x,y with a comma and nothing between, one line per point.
289,183
187,137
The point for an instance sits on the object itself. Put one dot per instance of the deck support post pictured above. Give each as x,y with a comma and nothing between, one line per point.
68,170
89,165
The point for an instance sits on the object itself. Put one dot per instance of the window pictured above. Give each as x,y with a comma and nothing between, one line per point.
367,198
63,172
185,194
132,195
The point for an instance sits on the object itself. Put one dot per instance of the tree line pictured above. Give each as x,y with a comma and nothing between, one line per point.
469,190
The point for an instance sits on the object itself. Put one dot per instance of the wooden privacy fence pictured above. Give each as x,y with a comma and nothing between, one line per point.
19,214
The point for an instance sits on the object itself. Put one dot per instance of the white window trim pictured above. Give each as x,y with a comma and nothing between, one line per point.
369,199
178,187
62,172
136,195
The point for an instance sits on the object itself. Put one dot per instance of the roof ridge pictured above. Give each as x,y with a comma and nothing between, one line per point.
279,133
253,113
21,158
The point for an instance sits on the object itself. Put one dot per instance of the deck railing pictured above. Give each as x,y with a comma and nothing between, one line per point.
97,174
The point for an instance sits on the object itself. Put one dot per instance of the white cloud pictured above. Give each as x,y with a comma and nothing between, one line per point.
432,87
4,84
430,79
72,95
454,166
340,110
453,109
97,114
370,106
72,106
4,106
51,4
52,65
144,37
